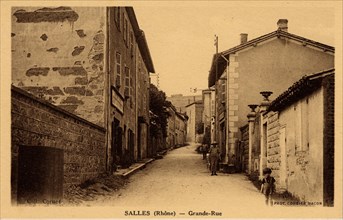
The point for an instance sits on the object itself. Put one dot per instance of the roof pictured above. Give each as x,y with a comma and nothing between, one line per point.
141,40
218,58
300,89
182,116
196,102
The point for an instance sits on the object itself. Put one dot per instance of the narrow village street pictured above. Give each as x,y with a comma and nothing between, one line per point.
181,179
110,109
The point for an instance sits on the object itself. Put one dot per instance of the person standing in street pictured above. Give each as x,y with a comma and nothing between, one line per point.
268,185
214,157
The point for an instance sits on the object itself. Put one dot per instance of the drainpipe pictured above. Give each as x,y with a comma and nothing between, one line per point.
227,158
251,119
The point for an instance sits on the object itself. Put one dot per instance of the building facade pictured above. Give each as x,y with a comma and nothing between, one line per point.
129,82
208,107
267,63
194,113
180,101
92,62
177,128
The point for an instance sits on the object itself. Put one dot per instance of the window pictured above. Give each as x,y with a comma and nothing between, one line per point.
118,69
125,30
127,82
117,17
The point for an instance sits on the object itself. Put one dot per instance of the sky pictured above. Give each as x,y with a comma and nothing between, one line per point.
181,35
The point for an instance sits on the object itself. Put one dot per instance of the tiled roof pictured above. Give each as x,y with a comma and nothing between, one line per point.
299,89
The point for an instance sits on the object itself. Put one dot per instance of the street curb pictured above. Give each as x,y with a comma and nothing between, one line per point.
134,170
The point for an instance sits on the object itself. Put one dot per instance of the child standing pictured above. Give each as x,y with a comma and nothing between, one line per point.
268,185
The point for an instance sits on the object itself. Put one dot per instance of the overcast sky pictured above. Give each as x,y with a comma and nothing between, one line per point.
181,35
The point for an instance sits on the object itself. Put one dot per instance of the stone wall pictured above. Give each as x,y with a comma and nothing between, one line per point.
273,146
38,123
329,139
58,54
245,147
256,148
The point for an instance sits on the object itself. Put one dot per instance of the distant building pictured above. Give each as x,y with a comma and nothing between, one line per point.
177,128
267,63
181,129
194,112
180,101
208,116
207,97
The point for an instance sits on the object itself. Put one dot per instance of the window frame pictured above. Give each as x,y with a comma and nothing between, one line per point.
118,69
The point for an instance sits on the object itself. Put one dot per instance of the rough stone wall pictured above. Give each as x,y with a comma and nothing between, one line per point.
273,145
37,123
58,55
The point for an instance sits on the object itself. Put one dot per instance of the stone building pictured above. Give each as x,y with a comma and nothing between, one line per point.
194,114
177,128
180,101
144,67
208,100
269,62
58,54
294,136
171,127
129,66
181,129
93,63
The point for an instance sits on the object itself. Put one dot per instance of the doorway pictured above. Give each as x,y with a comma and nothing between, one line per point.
40,174
116,144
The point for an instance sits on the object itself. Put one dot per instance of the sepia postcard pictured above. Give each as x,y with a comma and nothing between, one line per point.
171,109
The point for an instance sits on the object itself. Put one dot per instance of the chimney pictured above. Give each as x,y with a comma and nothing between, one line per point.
244,38
283,25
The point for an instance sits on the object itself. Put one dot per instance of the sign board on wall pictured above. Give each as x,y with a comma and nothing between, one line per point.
117,100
